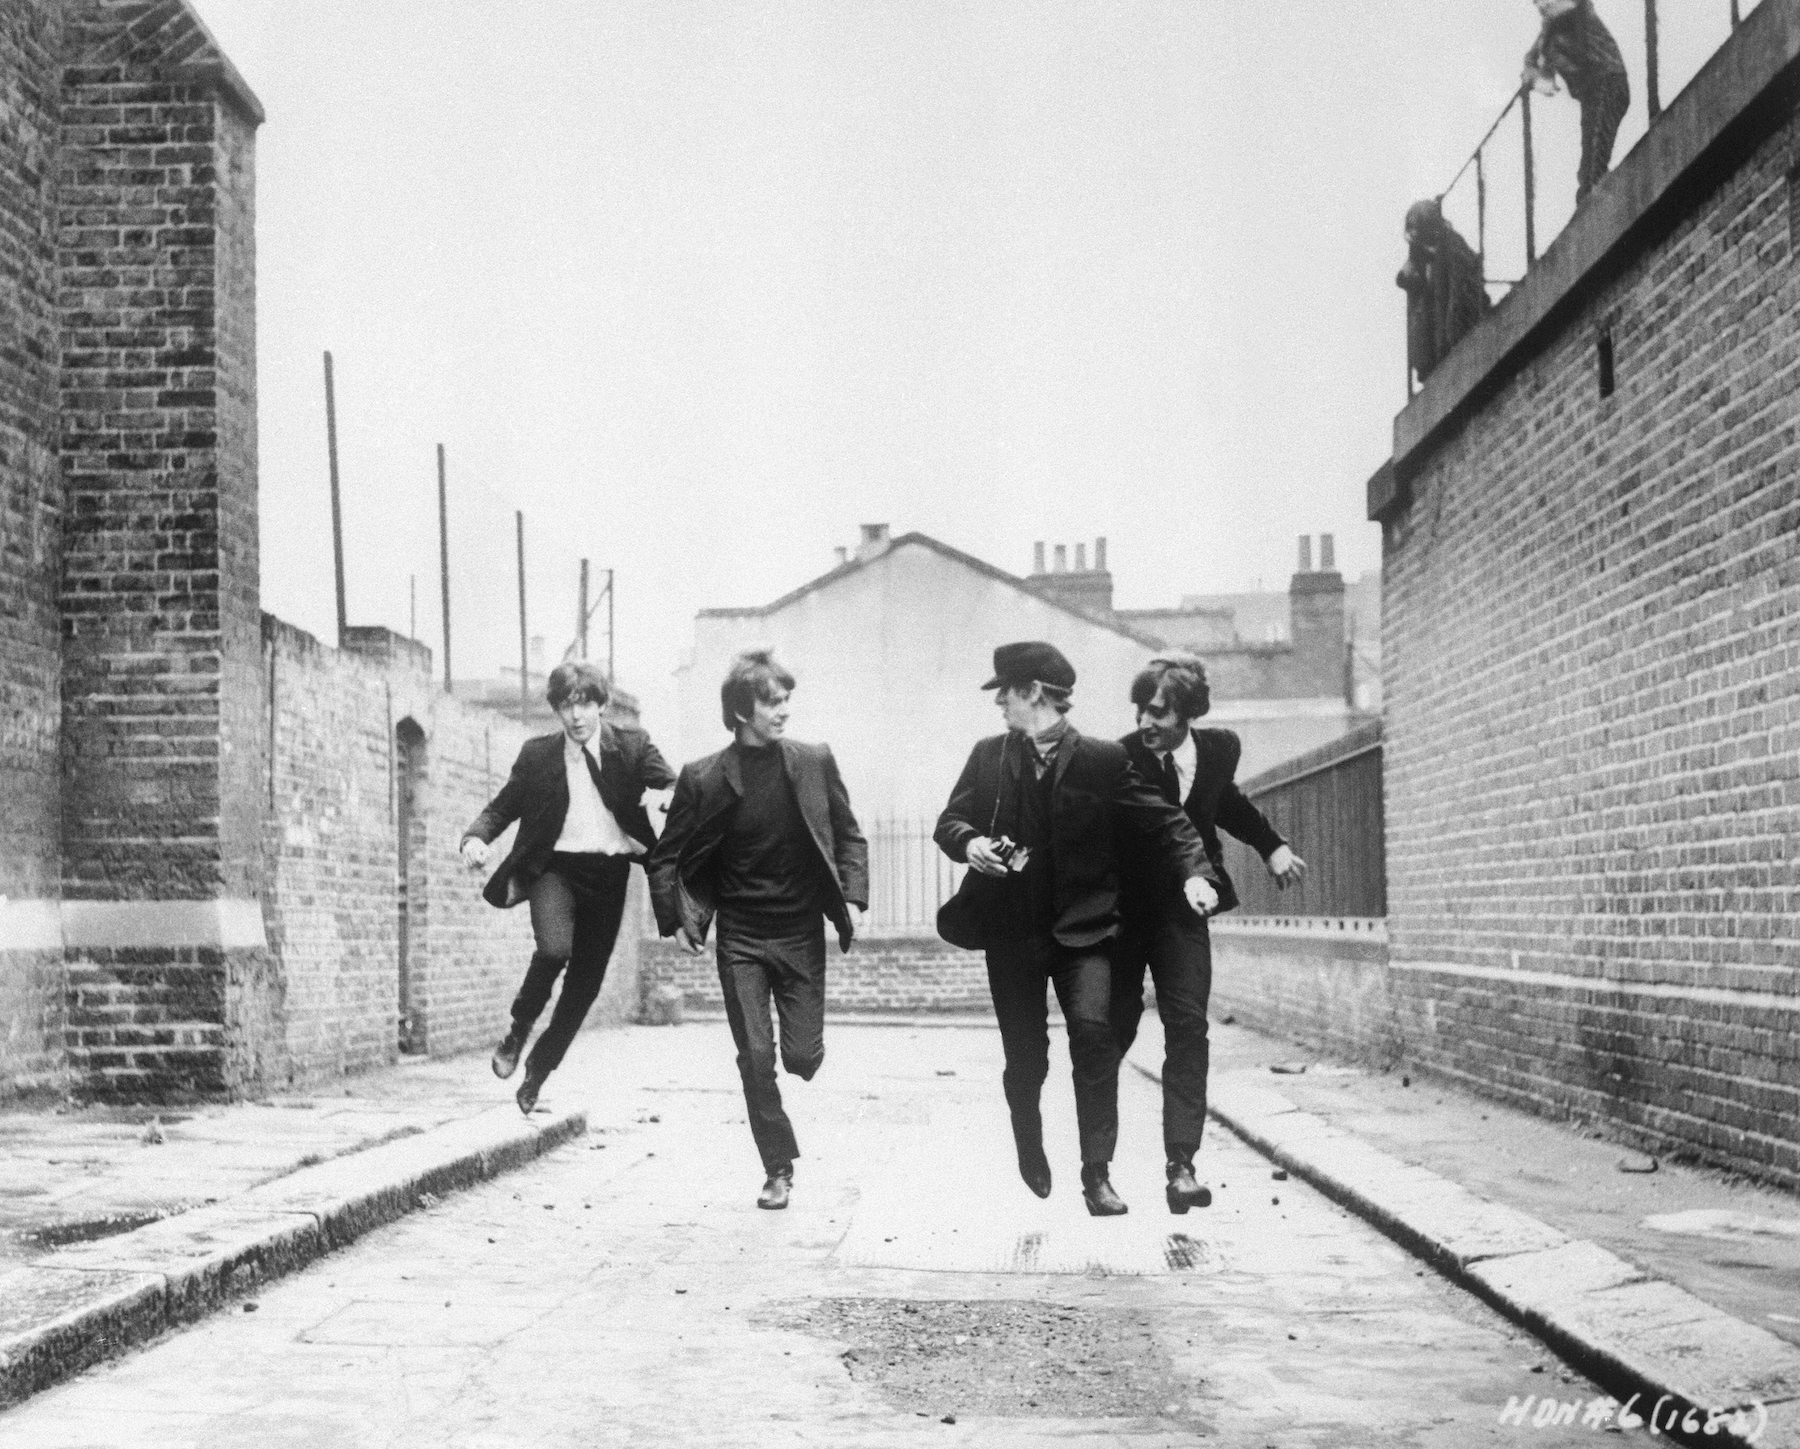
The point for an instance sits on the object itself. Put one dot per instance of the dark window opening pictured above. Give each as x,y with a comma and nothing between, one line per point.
1606,364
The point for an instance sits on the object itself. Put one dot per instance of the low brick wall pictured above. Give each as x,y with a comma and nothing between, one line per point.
882,973
1653,1060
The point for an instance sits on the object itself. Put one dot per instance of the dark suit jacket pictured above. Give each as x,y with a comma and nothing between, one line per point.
684,867
537,796
1213,801
1098,800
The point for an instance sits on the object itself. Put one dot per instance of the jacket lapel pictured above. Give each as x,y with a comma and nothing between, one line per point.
1071,743
809,795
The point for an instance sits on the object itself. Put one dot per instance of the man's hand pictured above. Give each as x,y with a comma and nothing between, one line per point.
687,942
855,913
1286,867
1200,895
474,852
983,857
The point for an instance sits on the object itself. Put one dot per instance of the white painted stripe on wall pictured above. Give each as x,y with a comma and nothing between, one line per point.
121,925
1563,981
1341,928
30,925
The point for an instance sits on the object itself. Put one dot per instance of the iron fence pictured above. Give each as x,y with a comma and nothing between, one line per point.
1327,805
909,877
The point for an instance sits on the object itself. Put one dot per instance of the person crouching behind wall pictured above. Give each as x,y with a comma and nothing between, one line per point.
762,834
578,798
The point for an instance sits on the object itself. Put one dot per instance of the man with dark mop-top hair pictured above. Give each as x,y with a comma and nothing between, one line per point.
1195,770
579,799
762,835
1035,817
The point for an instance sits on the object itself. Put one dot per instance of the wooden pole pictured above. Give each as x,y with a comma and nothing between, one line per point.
524,643
1652,92
337,513
444,561
609,626
581,612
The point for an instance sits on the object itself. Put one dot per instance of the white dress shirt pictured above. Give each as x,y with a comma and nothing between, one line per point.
589,828
1187,761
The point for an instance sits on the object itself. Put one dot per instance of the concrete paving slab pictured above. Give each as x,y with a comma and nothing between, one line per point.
89,1300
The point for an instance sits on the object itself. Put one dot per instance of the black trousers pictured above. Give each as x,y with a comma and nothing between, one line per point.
1018,973
788,969
576,907
1177,949
1601,115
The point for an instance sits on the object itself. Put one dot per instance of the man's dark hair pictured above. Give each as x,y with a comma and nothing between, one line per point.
753,675
1182,679
575,681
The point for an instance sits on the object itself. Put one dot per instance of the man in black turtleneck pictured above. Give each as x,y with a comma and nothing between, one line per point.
762,835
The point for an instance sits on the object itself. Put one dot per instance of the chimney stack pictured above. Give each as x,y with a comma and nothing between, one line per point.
1327,553
1305,554
1037,558
1100,555
874,541
1081,558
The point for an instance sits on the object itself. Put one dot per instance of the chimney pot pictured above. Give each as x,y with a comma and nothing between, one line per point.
1081,558
1305,553
1037,558
1100,555
1062,558
1327,552
874,532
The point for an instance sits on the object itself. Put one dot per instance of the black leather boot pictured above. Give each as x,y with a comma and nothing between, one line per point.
506,1055
527,1094
1034,1167
1184,1190
776,1190
1097,1192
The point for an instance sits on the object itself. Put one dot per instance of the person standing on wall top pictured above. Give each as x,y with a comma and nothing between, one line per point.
578,798
1194,768
762,834
1035,817
1445,293
1576,47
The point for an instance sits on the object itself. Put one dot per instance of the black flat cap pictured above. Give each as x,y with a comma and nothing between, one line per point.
1032,662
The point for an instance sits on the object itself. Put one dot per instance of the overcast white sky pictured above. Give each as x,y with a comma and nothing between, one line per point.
703,286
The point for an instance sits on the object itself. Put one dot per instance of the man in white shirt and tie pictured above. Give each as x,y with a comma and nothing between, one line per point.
1194,768
578,797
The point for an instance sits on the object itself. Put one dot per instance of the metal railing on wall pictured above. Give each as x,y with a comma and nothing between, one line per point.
1327,805
1477,165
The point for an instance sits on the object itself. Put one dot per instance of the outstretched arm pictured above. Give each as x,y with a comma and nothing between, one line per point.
847,838
664,865
1164,830
500,812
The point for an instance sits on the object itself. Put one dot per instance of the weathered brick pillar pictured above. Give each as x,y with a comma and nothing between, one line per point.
31,995
171,989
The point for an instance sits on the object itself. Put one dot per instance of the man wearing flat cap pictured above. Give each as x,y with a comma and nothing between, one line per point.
1035,817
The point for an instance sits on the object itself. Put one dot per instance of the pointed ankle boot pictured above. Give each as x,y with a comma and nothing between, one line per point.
1184,1190
506,1055
777,1189
1034,1167
1097,1192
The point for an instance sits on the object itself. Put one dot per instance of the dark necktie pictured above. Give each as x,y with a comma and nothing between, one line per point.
593,773
1171,780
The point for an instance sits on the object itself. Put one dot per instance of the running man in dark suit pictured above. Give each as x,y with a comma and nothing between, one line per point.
1036,816
578,798
1194,769
762,835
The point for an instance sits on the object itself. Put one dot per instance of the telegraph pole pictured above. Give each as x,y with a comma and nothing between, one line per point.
337,515
581,613
609,626
444,561
524,643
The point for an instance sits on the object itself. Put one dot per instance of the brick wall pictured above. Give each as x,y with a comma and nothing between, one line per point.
30,536
1592,653
901,973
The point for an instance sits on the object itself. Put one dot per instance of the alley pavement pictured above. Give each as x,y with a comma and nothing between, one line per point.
624,1289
